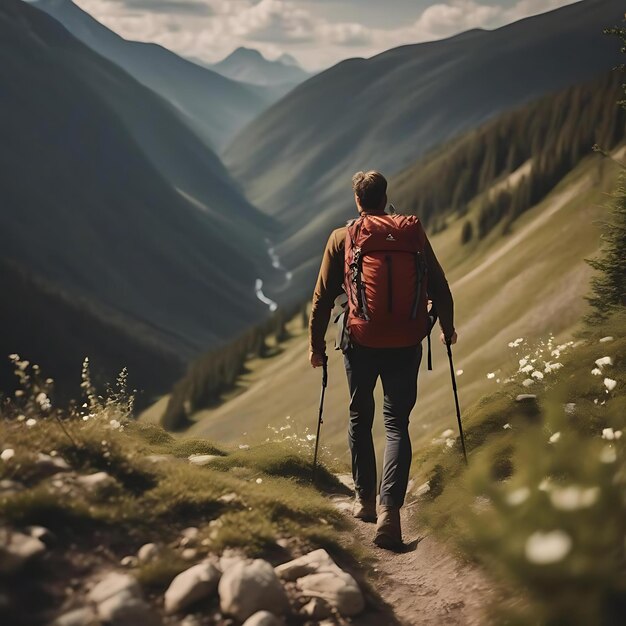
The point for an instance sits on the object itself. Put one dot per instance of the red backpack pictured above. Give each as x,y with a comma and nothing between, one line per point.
385,279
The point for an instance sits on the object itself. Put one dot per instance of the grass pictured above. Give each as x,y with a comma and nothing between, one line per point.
551,479
519,295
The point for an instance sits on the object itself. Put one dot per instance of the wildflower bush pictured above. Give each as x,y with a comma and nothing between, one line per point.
543,503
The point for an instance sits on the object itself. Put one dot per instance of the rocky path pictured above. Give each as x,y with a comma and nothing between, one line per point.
426,585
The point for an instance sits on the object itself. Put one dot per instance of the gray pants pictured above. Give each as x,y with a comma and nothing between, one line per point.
397,368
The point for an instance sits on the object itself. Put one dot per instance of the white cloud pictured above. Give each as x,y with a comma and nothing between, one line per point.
210,29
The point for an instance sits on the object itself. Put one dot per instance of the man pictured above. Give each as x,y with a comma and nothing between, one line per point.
386,266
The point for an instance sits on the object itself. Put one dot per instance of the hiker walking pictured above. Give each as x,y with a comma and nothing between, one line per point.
385,265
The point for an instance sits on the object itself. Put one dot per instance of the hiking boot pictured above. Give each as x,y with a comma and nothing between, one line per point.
364,510
388,531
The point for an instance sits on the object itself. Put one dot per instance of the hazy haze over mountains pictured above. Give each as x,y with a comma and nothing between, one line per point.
87,213
215,106
296,159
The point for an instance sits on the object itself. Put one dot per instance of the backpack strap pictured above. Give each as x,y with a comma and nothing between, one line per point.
432,320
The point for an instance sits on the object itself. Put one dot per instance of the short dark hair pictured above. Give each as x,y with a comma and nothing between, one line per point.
370,188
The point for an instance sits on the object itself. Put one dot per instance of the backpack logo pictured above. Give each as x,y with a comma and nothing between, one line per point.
390,237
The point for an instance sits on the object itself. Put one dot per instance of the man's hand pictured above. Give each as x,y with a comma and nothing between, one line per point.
452,339
316,359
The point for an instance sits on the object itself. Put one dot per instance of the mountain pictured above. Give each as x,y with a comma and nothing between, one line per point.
250,66
90,215
295,161
215,106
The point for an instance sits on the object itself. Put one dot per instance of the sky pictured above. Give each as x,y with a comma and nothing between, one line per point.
317,33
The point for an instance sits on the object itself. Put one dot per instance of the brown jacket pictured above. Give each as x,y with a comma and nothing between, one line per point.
330,285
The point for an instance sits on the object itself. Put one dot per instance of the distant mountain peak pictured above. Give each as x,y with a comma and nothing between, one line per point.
243,53
288,59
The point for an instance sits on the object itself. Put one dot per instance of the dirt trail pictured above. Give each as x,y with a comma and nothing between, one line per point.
426,585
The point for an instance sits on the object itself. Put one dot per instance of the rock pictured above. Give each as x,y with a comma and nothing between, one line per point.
229,498
123,609
191,620
50,465
525,396
263,618
189,536
148,552
317,609
158,458
129,561
79,617
113,584
189,554
17,549
192,585
340,590
95,481
202,459
311,563
230,558
283,543
346,480
43,534
246,588
9,487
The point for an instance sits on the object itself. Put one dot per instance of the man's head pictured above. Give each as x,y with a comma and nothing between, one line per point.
370,191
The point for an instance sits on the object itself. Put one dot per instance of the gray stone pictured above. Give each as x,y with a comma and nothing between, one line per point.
263,618
95,481
124,609
113,584
43,534
10,487
523,397
148,552
158,458
50,465
78,617
17,549
311,563
192,585
202,459
246,588
317,609
340,590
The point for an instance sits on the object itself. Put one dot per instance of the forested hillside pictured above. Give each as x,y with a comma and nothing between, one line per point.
524,153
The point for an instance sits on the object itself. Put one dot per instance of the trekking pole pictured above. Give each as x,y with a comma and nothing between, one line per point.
456,398
320,420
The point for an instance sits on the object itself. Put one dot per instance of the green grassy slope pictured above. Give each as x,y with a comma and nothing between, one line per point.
296,159
527,284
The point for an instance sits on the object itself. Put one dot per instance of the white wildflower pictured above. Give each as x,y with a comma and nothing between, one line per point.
518,496
552,367
244,446
310,437
43,401
497,380
608,434
596,371
259,481
610,384
459,372
22,365
556,352
115,424
507,426
528,382
608,454
555,437
523,363
526,368
21,418
573,497
545,485
31,422
570,408
7,454
537,374
605,360
491,375
606,339
449,442
447,433
544,548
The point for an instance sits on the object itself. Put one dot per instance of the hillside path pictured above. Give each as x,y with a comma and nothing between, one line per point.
425,586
